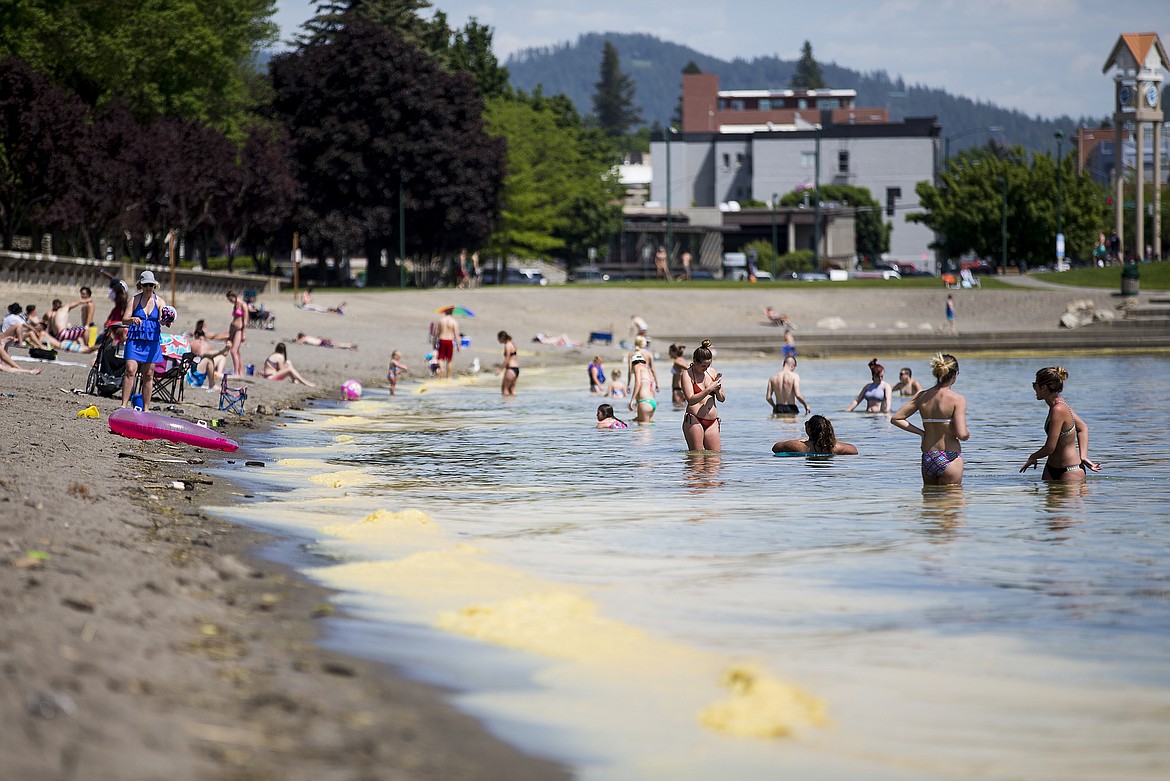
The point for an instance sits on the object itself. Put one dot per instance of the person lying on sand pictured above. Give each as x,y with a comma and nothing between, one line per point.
9,365
318,341
555,341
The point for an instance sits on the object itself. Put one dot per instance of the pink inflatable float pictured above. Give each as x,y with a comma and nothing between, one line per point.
137,424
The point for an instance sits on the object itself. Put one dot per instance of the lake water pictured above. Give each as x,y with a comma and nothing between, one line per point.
637,612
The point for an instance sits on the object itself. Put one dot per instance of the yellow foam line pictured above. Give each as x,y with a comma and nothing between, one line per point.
343,479
761,707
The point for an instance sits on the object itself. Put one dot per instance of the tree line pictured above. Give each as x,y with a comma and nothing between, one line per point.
112,136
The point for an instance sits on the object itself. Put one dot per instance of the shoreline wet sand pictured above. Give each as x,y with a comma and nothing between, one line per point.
143,637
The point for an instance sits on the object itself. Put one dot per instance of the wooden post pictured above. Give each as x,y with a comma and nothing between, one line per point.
296,267
173,291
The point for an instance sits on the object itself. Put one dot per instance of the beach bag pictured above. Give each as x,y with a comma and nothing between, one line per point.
44,355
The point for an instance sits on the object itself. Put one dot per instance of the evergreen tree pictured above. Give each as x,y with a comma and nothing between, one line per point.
471,51
808,73
399,16
613,99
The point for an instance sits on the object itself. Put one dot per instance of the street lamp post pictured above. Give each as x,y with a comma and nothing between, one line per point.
817,204
774,235
1003,227
947,141
669,133
1059,198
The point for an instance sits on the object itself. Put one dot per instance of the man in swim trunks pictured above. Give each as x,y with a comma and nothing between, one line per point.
784,390
447,339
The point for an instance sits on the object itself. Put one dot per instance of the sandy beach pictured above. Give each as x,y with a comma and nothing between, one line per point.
142,637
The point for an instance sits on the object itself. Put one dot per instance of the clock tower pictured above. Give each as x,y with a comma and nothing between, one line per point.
1138,61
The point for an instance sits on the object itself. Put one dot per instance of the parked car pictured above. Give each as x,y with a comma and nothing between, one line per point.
811,276
702,273
977,266
588,274
513,276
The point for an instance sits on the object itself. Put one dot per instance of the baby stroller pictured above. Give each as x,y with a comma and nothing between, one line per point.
105,377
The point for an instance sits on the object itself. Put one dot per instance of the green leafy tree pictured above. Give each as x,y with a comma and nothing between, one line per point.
613,97
808,74
188,59
560,196
966,209
871,234
370,113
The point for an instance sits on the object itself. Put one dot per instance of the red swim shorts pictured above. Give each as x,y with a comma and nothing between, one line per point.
446,349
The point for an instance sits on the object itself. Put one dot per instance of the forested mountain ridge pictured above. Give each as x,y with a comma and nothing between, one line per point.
656,68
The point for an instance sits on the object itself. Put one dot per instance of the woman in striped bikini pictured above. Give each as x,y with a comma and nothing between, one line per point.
944,424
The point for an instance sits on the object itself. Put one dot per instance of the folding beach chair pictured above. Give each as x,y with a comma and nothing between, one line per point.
232,399
168,383
604,337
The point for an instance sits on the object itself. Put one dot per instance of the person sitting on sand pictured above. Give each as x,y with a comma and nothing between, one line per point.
278,367
319,341
9,365
211,360
308,305
606,419
821,440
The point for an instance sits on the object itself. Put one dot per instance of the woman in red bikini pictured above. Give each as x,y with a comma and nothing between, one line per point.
701,389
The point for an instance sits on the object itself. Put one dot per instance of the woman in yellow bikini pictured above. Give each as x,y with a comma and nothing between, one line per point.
944,424
1067,442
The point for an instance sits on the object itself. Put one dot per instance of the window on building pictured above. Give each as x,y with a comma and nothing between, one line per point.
765,104
737,104
721,104
739,161
829,103
726,161
802,103
843,161
808,159
893,194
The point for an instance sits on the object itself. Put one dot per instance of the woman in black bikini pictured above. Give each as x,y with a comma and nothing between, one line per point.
678,365
1067,445
701,389
510,367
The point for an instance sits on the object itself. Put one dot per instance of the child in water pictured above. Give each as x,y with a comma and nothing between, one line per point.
396,366
606,419
617,388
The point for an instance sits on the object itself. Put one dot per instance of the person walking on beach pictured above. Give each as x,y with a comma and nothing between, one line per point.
944,424
950,326
1067,444
661,264
701,390
784,390
821,440
143,314
685,258
447,342
877,394
510,368
642,399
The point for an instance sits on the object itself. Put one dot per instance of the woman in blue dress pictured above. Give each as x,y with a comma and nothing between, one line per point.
143,315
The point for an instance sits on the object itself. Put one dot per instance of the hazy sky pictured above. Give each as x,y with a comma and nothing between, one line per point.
1040,56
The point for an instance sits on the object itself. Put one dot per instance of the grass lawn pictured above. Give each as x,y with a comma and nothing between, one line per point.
1154,276
929,283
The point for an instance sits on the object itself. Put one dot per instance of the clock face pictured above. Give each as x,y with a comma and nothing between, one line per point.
1152,95
1125,95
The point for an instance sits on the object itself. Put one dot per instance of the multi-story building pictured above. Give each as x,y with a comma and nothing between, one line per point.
1095,154
742,145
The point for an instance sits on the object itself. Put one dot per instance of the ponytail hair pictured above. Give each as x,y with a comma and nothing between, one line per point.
944,367
876,368
703,352
1052,378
